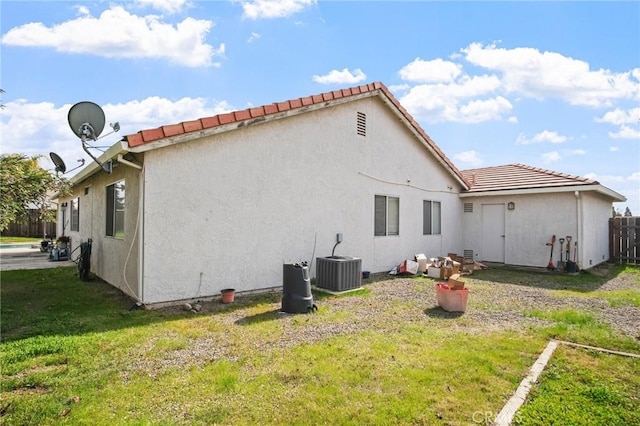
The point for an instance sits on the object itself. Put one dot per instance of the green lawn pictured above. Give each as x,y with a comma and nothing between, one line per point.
73,352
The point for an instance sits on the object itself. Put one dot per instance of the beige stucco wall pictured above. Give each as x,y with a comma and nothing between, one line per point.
229,210
536,218
113,260
594,248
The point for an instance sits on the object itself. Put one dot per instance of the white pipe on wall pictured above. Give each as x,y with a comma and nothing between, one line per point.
579,227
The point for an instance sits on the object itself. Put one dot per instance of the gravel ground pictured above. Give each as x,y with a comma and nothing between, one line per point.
388,305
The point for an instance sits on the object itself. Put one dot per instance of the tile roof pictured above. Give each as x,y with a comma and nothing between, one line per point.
519,176
151,135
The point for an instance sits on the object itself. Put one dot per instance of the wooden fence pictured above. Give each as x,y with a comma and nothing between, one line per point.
31,227
624,239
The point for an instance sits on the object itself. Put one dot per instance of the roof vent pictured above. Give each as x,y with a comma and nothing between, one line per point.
361,125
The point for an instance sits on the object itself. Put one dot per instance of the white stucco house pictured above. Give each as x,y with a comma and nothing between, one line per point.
224,201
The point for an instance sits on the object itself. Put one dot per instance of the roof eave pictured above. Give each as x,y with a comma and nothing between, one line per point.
119,147
616,197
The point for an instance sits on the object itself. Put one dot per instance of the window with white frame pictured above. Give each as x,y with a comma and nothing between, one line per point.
387,215
75,214
431,218
115,209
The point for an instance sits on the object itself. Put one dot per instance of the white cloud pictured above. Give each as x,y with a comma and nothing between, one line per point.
545,136
471,158
576,152
629,122
551,157
620,117
605,179
625,132
82,10
254,36
479,111
434,71
118,34
268,9
513,119
529,72
341,77
614,148
167,6
634,177
399,88
441,102
40,128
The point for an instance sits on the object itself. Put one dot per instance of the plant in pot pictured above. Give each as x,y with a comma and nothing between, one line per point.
228,295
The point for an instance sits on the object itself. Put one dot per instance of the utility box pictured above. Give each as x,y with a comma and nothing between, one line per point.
339,273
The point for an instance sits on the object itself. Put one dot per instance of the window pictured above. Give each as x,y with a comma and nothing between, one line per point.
115,209
75,214
431,223
387,215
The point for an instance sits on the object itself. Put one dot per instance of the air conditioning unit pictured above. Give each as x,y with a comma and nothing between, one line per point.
339,273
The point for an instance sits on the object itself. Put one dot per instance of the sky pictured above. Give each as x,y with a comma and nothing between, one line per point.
548,84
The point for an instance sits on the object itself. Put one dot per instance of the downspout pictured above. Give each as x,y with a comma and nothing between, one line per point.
579,229
141,236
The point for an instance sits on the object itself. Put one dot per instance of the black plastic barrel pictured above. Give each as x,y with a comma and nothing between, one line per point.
296,289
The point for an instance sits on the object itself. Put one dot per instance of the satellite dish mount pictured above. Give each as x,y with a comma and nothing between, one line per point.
87,121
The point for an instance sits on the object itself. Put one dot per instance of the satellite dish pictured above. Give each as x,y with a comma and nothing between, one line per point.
86,120
60,166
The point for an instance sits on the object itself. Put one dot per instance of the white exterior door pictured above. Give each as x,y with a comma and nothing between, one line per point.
493,233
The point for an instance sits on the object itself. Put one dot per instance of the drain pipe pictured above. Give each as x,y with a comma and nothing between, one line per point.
579,227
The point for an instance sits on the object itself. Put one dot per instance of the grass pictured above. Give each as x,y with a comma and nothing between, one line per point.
73,352
575,378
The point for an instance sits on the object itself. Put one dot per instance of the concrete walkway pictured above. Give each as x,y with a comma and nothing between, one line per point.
26,257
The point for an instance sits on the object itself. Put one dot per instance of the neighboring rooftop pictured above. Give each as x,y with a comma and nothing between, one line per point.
519,176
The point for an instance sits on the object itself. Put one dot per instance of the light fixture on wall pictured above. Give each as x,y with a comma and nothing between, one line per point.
511,205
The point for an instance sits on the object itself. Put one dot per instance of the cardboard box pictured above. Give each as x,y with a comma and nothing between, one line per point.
442,273
422,262
409,267
433,272
455,283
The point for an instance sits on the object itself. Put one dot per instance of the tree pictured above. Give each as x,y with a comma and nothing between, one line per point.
627,212
25,185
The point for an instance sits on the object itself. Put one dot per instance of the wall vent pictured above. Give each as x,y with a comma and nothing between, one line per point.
361,124
468,207
468,254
